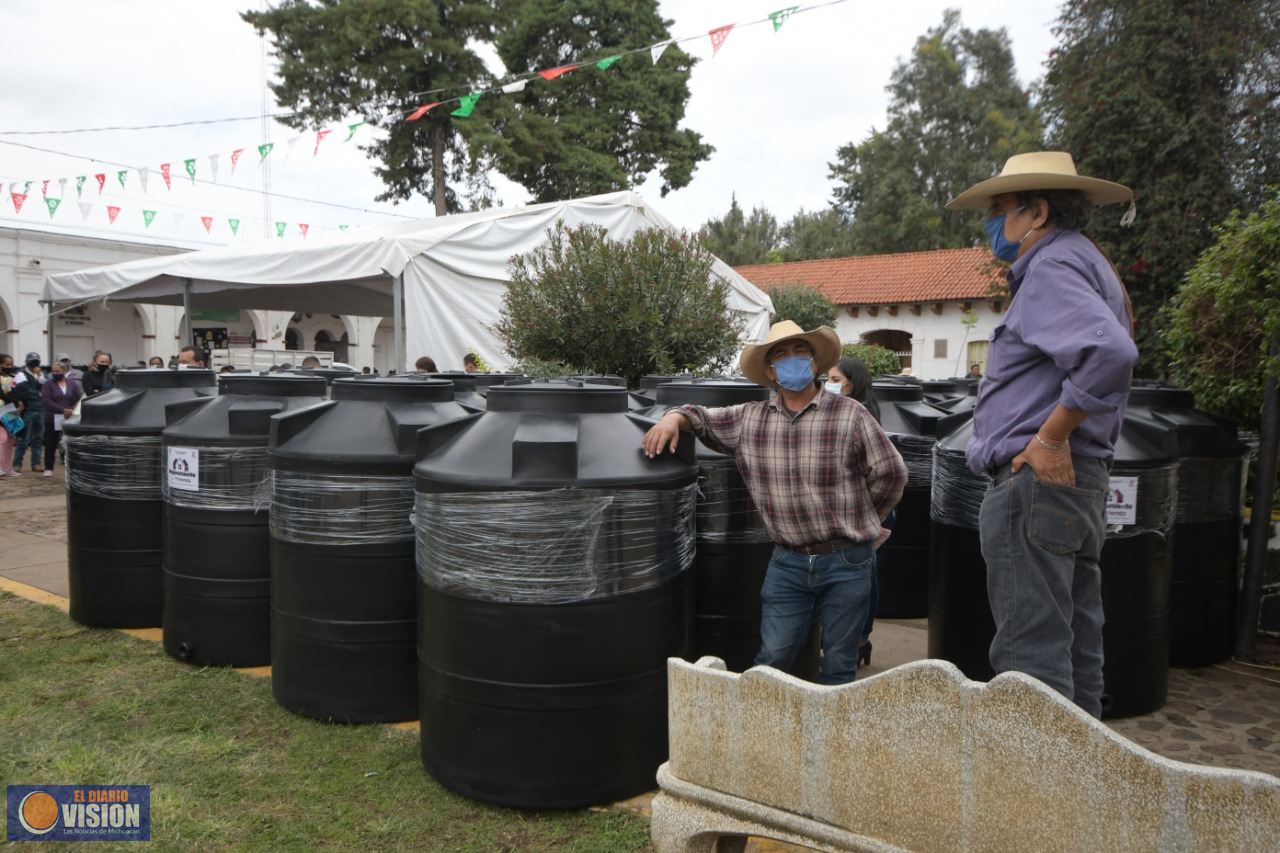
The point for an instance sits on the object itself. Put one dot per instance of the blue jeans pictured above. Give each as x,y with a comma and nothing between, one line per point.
838,587
32,436
1041,543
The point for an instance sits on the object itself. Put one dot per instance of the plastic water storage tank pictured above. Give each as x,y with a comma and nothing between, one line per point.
553,563
342,560
911,425
114,508
217,572
466,387
1206,533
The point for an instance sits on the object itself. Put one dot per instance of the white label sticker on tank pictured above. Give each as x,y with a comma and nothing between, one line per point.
1122,501
184,468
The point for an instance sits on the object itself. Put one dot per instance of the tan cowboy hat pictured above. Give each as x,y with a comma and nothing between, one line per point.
1039,170
826,350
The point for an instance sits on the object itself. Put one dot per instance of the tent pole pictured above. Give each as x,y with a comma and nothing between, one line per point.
189,337
48,307
397,299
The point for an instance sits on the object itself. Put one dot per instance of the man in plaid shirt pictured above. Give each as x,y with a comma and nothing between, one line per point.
823,475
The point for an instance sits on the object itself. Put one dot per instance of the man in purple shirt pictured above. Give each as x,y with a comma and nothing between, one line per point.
1048,414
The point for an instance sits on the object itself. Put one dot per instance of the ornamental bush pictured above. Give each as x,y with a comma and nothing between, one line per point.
649,304
879,360
802,304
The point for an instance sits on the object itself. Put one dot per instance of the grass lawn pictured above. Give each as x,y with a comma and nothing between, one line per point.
228,767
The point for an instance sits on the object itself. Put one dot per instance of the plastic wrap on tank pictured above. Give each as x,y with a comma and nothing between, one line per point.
917,453
341,509
225,478
555,546
726,512
957,491
1156,503
116,467
1209,489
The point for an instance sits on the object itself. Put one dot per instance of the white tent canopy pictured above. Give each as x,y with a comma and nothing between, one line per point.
454,271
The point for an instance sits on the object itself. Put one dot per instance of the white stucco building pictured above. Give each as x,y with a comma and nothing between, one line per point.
133,333
935,309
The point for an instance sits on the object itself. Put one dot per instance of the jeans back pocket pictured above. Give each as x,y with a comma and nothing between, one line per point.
1059,517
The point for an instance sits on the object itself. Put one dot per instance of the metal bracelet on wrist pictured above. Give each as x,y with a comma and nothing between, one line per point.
1055,446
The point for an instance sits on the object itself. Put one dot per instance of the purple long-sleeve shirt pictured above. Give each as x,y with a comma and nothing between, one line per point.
1064,340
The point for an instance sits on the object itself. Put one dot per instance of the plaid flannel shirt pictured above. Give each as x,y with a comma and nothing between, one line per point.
828,472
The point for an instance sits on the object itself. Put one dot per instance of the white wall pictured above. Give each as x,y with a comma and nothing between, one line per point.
925,329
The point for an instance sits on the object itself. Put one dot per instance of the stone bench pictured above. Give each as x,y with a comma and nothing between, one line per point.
920,758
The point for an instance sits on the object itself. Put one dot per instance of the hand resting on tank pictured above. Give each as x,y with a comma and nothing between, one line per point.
665,434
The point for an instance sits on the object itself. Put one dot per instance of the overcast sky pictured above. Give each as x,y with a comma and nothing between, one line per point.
775,106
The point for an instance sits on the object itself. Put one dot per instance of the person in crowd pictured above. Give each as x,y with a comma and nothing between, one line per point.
823,475
12,419
852,378
426,364
310,362
471,363
366,370
285,366
189,357
31,406
72,372
59,396
227,368
155,363
98,378
975,371
1047,417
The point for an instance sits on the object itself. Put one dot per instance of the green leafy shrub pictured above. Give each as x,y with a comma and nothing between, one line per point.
878,359
802,304
645,305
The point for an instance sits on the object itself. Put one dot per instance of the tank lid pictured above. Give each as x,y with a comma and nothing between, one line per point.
598,379
709,392
462,381
486,380
139,378
898,392
271,385
651,381
393,389
1162,396
565,396
327,373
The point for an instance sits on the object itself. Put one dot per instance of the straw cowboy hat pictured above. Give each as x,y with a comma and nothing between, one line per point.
826,350
1039,170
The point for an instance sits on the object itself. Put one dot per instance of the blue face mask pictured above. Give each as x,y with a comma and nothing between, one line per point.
795,373
1002,247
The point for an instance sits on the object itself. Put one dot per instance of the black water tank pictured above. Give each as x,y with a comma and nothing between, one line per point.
553,564
960,623
342,563
114,523
466,387
217,572
911,425
598,379
1206,534
328,374
937,390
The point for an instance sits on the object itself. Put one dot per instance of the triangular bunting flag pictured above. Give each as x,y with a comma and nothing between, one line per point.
112,213
342,227
656,51
352,128
207,222
164,173
143,173
517,86
781,15
553,73
101,178
235,158
607,61
80,179
148,216
280,226
291,144
265,149
466,105
304,227
413,116
190,166
18,199
213,167
718,35
320,135
234,225
85,209
52,204
121,175
26,188
178,219
44,188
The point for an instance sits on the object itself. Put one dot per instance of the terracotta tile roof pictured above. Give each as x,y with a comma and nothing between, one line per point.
935,276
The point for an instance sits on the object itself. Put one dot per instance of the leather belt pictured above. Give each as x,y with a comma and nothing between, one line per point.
822,547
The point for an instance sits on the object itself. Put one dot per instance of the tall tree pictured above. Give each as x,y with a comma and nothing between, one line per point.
1180,100
738,239
371,58
820,234
593,129
956,113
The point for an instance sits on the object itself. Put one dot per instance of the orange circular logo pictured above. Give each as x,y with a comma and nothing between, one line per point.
38,812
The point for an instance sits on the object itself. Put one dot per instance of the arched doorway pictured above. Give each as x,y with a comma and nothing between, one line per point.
325,342
8,335
891,339
291,338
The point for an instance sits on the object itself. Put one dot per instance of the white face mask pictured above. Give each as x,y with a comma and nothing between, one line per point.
835,387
